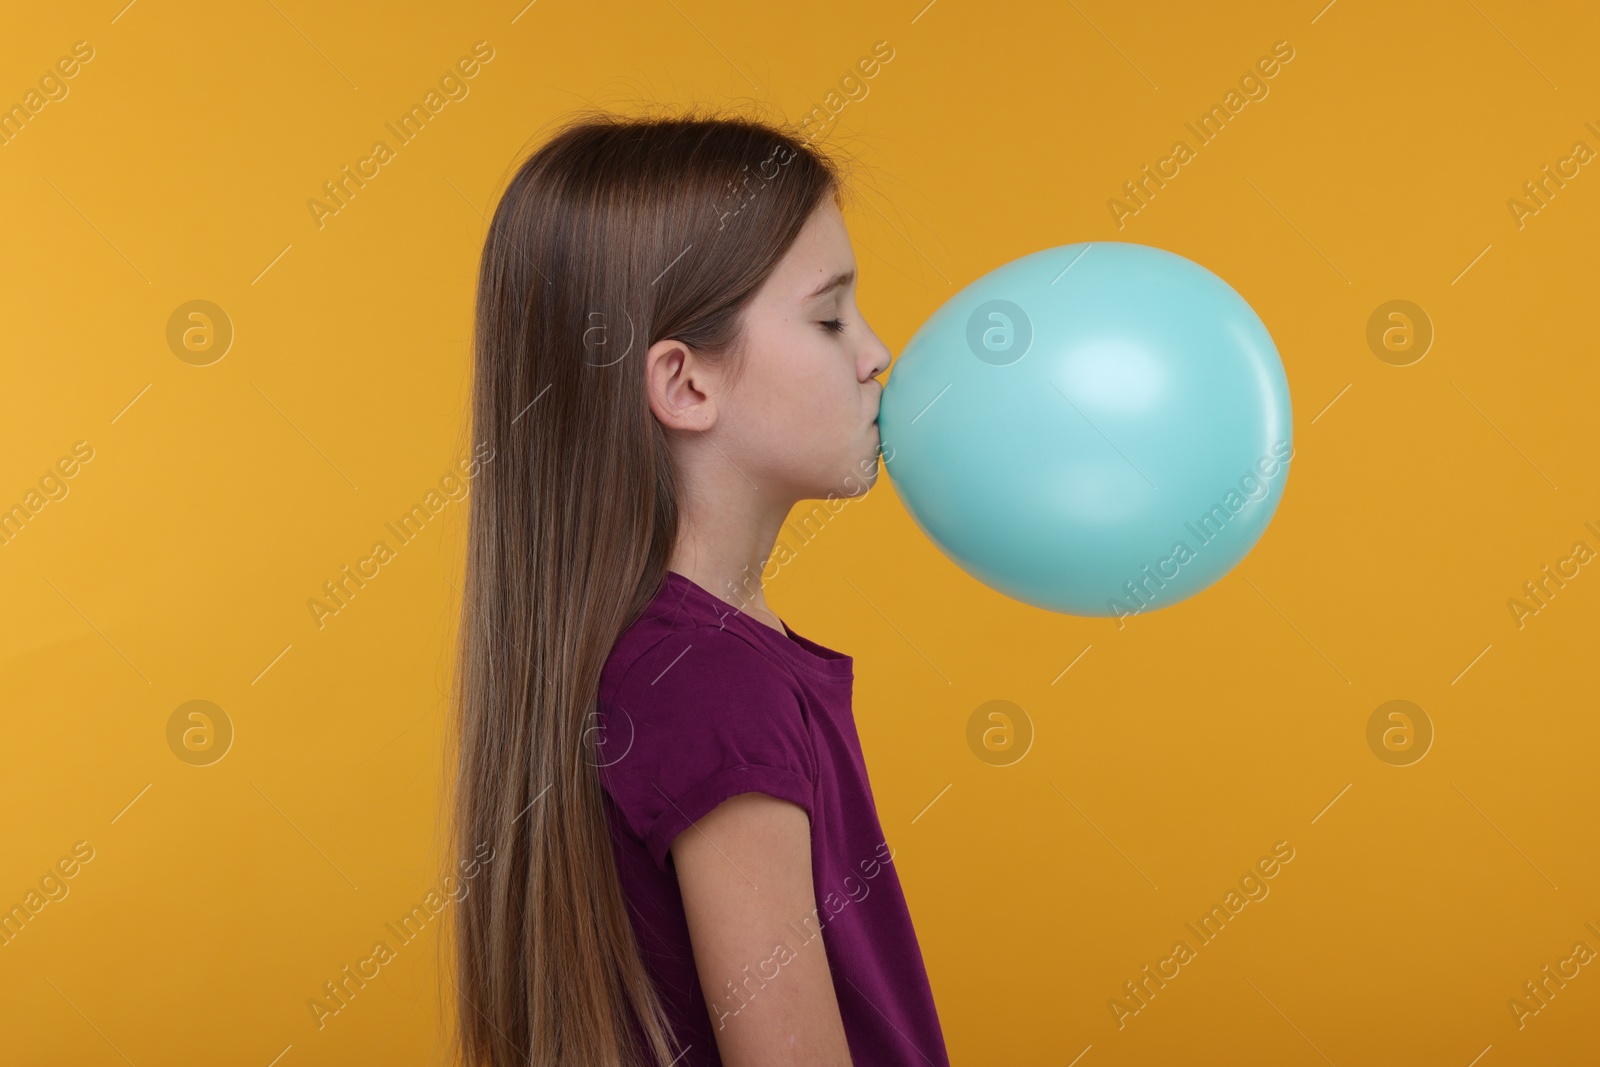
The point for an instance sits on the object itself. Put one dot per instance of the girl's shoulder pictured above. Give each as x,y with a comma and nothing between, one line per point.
683,626
691,713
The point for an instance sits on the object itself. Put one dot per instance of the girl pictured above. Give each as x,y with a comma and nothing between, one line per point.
688,867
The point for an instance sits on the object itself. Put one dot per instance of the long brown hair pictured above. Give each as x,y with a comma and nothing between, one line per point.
616,233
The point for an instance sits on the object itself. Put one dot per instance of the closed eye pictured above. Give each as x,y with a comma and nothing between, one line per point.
835,325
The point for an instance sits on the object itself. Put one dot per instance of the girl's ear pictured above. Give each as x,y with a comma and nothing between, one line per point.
681,387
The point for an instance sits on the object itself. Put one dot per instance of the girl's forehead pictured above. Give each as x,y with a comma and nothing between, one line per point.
820,260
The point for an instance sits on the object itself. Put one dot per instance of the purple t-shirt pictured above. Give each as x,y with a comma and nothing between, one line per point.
700,702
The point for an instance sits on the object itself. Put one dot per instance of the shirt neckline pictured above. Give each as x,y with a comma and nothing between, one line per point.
800,651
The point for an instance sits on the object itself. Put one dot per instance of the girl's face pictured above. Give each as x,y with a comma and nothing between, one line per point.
802,419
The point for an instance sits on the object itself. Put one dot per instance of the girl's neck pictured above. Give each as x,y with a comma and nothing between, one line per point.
742,591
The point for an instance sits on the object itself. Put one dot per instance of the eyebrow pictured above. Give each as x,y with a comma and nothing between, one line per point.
844,278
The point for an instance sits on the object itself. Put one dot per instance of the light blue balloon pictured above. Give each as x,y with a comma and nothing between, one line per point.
1098,429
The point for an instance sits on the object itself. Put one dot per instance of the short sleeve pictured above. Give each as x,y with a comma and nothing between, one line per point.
699,717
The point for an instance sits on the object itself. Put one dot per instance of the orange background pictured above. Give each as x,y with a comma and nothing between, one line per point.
1172,755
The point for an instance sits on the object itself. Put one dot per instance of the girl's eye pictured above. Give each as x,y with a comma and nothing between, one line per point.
835,325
